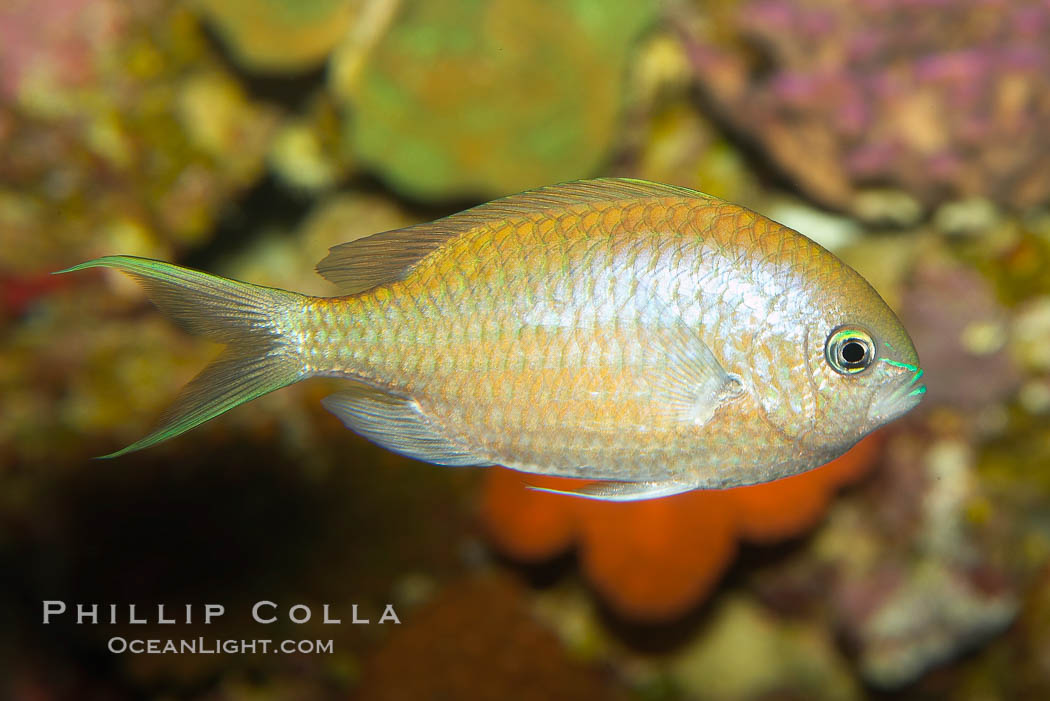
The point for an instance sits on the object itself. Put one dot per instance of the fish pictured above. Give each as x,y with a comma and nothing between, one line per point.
646,337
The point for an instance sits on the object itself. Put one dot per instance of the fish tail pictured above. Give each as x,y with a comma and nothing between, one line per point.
245,317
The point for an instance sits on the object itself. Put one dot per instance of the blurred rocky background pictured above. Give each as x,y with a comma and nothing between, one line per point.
247,136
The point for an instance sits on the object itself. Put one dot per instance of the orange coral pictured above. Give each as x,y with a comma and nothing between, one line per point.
777,510
524,523
652,560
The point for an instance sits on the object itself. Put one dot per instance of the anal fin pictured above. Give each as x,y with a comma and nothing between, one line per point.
621,491
398,424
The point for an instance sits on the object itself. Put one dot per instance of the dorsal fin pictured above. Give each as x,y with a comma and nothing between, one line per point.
362,264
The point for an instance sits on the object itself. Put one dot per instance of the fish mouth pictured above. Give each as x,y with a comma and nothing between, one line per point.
904,395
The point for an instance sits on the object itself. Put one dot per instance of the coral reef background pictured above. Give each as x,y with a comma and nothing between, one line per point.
248,136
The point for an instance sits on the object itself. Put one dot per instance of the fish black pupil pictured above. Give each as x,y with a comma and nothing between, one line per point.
853,352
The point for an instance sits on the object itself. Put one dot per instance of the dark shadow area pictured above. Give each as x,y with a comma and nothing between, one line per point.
288,90
267,204
540,575
222,517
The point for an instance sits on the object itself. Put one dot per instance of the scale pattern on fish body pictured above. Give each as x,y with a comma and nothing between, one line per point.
610,329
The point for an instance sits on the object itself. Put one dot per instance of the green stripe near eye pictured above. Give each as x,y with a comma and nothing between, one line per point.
899,364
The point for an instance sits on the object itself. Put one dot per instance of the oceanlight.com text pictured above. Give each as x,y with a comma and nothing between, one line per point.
214,646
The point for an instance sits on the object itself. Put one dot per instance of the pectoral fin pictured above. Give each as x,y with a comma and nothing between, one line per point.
398,424
621,491
690,383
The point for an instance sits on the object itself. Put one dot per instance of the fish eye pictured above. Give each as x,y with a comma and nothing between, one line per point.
849,351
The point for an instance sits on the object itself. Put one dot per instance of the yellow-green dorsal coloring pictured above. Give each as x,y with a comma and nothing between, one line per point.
648,336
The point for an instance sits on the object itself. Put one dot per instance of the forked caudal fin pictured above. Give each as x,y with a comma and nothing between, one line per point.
240,315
